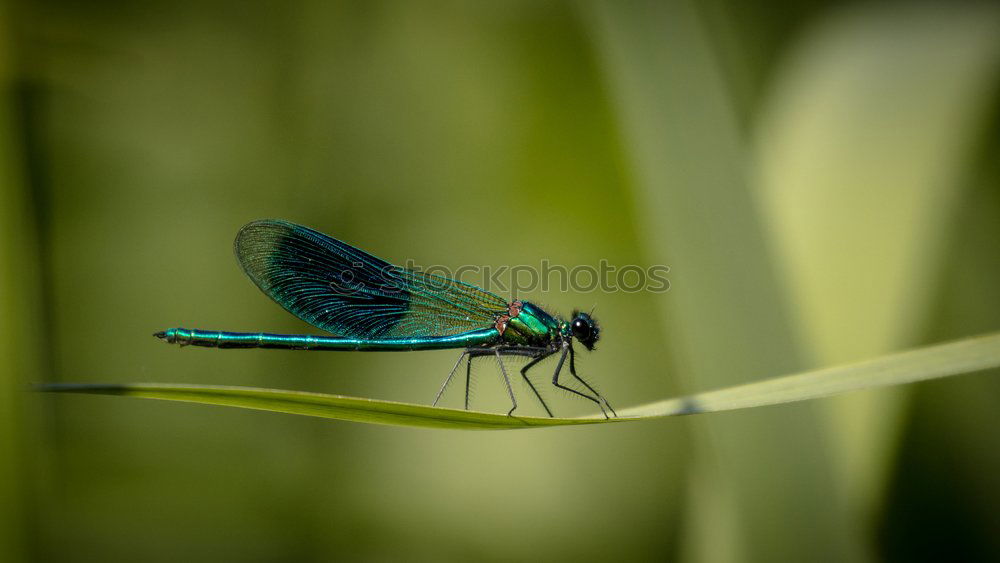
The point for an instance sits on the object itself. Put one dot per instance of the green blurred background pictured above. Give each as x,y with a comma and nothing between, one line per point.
822,178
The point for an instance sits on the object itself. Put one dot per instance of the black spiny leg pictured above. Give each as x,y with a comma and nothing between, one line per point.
470,354
448,380
555,381
572,370
468,379
506,380
536,354
524,374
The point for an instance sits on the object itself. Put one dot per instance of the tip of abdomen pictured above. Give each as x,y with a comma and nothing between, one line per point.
169,335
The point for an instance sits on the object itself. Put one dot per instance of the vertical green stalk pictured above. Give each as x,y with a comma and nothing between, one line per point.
863,150
754,475
16,299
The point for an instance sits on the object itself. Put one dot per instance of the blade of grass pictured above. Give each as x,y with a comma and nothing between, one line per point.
942,360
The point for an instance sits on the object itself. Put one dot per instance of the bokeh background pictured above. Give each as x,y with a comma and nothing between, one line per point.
822,178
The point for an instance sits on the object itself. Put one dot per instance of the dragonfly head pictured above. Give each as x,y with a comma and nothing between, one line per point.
585,329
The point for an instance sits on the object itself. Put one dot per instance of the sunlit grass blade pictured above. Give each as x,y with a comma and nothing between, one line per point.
942,360
322,405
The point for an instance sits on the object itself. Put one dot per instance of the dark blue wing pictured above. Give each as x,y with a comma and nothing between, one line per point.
346,291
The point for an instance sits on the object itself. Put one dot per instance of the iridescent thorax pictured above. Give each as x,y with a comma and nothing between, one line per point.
526,324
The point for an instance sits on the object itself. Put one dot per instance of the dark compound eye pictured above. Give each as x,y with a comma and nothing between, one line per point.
582,329
585,329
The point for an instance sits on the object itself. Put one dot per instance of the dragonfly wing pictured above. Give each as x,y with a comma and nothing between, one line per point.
346,291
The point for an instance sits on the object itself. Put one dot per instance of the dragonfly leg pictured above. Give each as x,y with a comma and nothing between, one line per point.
524,374
536,354
471,353
506,380
447,381
555,381
572,370
468,378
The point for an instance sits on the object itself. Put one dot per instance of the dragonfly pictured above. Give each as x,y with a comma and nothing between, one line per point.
371,305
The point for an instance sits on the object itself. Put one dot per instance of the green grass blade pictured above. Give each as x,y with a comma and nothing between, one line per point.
322,405
942,360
